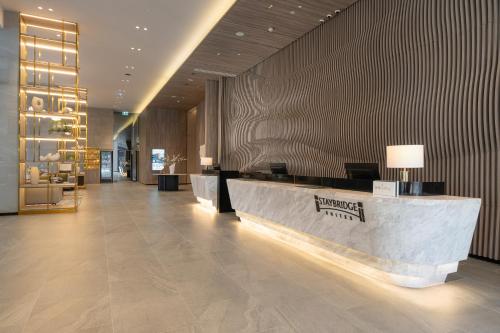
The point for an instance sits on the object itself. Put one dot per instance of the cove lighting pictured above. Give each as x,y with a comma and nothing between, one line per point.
201,29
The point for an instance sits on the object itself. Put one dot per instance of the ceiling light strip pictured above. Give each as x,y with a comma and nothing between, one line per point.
201,29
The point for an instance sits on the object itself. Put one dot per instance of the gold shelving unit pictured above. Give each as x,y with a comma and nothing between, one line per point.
52,116
92,158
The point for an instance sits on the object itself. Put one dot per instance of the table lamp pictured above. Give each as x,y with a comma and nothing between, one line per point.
206,161
405,157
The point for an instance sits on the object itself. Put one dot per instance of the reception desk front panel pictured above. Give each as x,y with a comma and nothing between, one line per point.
205,189
408,241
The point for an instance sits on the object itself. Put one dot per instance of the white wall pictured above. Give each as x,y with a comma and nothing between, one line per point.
9,74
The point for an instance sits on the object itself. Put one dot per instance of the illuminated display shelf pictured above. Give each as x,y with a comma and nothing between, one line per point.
48,44
50,99
49,67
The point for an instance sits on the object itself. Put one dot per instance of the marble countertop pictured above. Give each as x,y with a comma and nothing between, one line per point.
329,190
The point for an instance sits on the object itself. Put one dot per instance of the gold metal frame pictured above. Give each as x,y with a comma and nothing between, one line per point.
33,31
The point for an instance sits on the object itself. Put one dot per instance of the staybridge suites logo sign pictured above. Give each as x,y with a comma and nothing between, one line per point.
342,209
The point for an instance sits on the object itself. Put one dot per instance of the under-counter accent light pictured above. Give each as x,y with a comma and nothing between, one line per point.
207,205
199,30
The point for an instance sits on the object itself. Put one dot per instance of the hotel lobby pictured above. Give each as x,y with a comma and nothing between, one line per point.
250,166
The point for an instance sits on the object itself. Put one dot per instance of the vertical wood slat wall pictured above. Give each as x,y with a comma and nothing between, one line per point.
162,129
381,73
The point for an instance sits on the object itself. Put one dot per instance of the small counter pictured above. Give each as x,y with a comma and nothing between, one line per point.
408,241
205,189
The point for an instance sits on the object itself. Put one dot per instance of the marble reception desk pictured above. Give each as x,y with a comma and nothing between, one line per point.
205,189
408,241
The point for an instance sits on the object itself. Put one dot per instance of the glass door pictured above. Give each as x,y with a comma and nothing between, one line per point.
106,167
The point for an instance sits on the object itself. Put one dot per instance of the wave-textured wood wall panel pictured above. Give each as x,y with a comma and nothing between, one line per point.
381,73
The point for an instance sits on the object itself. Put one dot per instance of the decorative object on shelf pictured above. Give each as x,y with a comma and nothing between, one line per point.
37,104
206,161
34,175
406,157
60,126
172,161
54,157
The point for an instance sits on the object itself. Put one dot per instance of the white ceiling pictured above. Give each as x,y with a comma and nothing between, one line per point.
108,31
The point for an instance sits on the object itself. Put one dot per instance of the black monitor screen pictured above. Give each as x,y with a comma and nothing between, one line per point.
362,171
278,168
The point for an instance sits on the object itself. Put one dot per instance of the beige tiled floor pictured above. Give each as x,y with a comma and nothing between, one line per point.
136,260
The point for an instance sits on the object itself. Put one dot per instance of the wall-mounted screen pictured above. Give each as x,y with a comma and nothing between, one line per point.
157,157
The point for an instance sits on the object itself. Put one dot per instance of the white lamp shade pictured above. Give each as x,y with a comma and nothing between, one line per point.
406,156
206,161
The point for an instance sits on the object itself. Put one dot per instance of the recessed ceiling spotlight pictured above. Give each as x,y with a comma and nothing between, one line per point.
218,53
299,6
337,11
51,10
329,16
145,29
240,34
39,7
178,101
270,6
139,50
137,27
292,12
270,29
322,20
132,48
190,80
238,54
173,96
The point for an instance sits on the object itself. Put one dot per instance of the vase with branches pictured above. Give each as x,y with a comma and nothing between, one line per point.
172,160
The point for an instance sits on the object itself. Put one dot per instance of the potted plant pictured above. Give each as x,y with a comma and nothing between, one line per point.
170,161
60,126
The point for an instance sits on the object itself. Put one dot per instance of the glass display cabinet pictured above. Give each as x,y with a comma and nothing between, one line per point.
50,115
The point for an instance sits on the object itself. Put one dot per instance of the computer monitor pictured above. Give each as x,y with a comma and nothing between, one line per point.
278,168
367,171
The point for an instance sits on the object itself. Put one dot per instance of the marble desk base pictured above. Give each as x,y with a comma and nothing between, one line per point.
408,241
205,189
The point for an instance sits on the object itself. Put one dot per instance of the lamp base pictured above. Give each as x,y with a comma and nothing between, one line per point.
410,188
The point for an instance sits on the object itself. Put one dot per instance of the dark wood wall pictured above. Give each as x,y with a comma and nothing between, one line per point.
165,129
381,73
195,137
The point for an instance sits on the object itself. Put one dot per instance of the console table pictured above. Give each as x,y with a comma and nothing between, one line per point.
169,182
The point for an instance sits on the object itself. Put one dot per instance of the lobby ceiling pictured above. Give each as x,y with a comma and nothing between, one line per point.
166,32
251,31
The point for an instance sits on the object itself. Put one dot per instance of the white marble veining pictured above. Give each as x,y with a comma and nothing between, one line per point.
416,240
205,189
